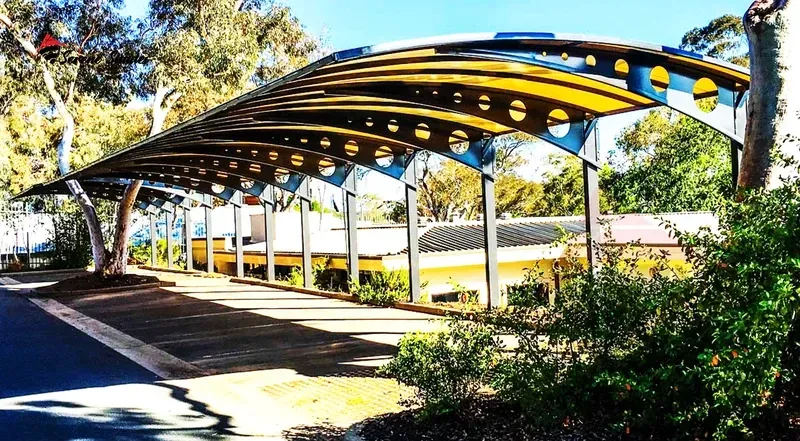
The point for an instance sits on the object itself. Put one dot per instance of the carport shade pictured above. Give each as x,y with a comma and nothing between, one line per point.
377,106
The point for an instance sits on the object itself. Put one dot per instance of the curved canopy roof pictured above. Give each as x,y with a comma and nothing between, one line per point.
376,106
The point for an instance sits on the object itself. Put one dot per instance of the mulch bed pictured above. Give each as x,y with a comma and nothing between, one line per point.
482,419
93,281
489,419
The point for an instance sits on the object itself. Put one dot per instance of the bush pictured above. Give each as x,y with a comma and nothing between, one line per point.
295,277
712,354
446,367
529,292
382,288
328,278
140,254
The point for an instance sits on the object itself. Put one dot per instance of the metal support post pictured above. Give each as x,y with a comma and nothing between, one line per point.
351,223
28,248
239,242
736,158
209,235
305,207
490,224
269,232
168,228
412,220
153,241
591,197
187,228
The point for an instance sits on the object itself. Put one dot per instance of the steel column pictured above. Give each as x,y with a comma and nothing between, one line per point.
736,157
351,223
239,242
187,229
305,207
412,220
153,241
209,235
591,197
269,232
168,227
490,223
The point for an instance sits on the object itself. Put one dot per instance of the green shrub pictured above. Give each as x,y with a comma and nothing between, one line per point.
382,288
444,367
140,254
295,277
530,292
713,352
328,278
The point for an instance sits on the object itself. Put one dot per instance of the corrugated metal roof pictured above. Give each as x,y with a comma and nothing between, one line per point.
460,237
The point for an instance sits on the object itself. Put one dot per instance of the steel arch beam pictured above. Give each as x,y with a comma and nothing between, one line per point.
637,75
317,166
154,177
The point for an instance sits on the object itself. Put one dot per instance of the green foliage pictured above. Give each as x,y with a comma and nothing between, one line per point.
295,277
445,367
70,238
140,254
671,163
465,295
723,38
328,278
530,292
382,288
708,354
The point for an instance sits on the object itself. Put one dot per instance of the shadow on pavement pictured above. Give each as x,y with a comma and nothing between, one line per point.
223,339
69,415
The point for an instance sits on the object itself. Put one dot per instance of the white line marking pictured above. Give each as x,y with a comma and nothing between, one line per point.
149,357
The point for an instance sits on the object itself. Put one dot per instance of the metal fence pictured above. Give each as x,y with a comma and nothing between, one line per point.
25,240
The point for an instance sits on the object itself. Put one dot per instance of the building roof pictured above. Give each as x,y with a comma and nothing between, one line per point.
377,241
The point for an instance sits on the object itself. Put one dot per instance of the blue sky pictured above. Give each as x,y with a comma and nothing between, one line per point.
354,23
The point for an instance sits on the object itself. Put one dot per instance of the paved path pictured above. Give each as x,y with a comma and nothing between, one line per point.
278,365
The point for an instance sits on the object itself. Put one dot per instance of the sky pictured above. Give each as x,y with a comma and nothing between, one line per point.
347,24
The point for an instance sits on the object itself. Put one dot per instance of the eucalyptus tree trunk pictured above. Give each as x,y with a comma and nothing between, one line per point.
773,114
117,263
65,147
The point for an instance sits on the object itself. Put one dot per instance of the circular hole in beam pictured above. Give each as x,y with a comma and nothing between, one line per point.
706,95
369,122
247,184
326,167
325,142
217,189
621,68
422,131
558,123
297,159
459,142
457,98
393,126
351,148
384,156
281,176
517,110
273,155
659,79
591,61
484,103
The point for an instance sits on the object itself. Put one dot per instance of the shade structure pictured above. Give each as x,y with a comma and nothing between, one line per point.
377,106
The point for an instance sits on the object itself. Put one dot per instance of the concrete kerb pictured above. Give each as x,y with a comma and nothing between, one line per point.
415,307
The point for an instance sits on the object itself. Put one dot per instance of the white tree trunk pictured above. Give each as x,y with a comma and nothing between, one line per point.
773,29
65,147
117,263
